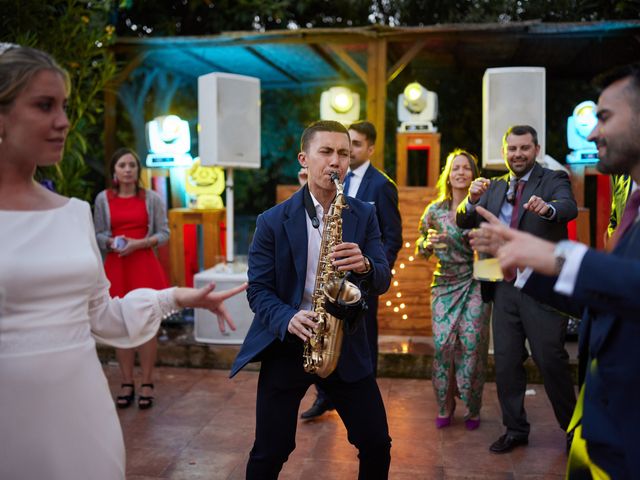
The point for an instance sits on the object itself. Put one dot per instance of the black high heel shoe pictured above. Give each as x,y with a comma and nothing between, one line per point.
125,401
145,401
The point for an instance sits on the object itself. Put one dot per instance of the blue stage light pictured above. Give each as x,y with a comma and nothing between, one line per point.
579,126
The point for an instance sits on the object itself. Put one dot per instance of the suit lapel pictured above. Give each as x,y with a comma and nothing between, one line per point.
530,187
361,194
349,223
494,202
295,227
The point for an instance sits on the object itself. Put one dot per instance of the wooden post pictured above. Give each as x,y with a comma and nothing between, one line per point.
377,94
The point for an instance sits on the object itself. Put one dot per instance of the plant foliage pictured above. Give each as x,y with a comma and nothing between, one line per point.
77,34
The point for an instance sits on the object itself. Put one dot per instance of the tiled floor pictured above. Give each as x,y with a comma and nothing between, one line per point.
201,427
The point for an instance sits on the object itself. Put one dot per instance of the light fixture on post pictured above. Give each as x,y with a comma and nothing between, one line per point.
340,104
169,142
579,126
417,109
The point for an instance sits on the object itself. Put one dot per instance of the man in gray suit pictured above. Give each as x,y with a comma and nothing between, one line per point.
539,201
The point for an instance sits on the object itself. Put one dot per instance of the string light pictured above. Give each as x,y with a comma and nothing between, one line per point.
395,283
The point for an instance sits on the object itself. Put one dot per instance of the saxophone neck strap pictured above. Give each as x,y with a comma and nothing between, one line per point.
310,207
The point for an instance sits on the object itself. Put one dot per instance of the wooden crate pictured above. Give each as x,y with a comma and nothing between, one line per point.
210,221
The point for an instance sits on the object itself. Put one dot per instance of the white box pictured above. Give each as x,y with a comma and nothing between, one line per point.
511,96
206,323
229,119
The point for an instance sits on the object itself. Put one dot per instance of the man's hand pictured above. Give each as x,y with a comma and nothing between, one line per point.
514,249
206,298
538,206
477,189
303,324
348,256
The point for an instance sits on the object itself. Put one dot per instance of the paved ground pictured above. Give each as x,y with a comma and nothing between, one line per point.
201,427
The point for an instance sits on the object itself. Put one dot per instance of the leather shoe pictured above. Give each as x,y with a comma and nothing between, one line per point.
317,409
506,443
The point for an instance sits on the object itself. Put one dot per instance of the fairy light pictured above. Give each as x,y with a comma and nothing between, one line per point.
405,316
396,309
395,283
399,294
407,245
402,306
388,303
401,265
411,259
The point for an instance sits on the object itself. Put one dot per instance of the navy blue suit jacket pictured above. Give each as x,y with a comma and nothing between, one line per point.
277,272
608,289
378,189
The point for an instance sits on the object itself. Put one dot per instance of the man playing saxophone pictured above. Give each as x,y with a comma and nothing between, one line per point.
284,263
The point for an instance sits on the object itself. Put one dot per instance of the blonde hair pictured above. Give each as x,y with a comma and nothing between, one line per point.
18,65
443,186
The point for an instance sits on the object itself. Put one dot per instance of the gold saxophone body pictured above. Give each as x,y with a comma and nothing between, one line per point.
322,350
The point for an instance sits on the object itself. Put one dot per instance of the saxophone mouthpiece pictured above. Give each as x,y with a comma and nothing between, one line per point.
335,177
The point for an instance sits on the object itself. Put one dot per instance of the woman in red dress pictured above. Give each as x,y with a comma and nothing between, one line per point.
130,221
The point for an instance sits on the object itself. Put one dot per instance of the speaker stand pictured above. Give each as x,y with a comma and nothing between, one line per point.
229,197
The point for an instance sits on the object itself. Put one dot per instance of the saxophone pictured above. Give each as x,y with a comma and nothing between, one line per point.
322,349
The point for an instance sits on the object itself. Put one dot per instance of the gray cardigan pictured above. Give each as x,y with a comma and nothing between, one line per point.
158,224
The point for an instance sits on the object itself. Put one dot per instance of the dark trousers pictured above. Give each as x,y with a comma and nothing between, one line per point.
281,386
370,319
517,317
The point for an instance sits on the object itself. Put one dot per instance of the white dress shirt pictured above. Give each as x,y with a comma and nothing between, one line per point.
314,239
356,179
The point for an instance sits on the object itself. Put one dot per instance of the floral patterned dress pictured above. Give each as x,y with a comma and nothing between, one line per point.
460,319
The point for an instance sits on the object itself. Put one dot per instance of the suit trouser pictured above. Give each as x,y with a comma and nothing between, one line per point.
517,317
371,321
281,386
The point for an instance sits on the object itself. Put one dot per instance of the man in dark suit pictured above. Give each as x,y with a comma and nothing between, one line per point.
539,201
283,259
365,182
605,286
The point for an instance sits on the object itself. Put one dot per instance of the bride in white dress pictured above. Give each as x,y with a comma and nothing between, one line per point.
57,419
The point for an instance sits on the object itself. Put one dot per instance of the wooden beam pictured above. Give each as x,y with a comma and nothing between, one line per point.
377,94
404,60
342,54
324,55
278,68
110,109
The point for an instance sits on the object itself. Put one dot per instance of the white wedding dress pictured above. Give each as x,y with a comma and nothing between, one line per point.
57,418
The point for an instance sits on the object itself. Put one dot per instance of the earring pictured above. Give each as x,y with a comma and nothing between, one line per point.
115,181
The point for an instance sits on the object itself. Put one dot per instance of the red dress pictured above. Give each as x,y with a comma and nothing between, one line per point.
140,269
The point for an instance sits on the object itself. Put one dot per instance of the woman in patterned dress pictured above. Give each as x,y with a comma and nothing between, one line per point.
460,319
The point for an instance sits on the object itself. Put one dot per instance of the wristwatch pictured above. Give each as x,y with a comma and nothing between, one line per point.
560,254
367,265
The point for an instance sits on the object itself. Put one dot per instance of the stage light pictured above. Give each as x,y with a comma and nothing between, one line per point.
417,109
340,104
579,126
168,141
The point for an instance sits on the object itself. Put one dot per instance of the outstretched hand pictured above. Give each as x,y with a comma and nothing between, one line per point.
206,298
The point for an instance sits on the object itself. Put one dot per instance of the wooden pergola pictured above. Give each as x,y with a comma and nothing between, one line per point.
373,56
